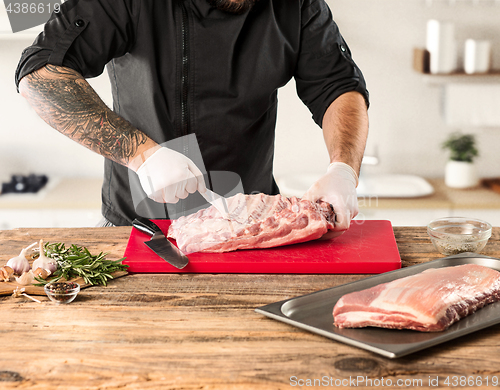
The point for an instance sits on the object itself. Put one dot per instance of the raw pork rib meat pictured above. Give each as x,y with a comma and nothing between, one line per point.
257,221
429,301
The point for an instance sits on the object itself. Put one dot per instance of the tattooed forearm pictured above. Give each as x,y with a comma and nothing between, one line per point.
68,103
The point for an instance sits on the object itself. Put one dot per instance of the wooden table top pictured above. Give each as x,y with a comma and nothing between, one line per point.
200,331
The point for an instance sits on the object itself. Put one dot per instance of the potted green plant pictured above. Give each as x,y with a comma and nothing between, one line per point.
460,170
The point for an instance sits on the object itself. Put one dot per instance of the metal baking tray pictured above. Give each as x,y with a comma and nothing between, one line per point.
314,312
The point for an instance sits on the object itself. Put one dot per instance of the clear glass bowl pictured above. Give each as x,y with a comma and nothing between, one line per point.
62,292
453,235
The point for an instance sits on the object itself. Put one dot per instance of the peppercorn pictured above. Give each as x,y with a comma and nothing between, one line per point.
61,287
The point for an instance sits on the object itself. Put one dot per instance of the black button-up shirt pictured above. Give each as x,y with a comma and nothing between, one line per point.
181,67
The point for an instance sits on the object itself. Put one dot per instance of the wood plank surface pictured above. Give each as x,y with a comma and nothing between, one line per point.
6,288
200,331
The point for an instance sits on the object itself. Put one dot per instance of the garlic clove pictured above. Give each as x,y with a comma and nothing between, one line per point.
6,273
26,278
41,273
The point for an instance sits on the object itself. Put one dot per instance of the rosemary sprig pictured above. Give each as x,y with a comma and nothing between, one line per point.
77,261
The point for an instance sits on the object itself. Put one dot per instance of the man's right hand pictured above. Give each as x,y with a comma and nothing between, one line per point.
167,176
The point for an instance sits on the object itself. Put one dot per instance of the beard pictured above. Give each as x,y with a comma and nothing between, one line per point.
235,7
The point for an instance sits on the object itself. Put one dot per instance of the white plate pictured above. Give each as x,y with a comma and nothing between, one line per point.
393,186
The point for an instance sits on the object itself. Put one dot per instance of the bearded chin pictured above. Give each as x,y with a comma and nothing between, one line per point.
236,7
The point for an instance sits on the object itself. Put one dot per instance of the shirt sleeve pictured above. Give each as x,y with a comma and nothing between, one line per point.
325,69
84,36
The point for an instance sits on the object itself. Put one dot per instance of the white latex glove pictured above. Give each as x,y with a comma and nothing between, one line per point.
337,187
167,176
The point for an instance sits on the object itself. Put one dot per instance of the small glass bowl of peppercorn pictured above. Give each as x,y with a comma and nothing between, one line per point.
454,235
62,292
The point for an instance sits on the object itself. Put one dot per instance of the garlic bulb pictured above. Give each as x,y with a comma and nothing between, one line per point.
26,278
44,262
20,264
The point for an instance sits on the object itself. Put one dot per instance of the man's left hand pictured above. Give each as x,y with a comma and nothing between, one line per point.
337,187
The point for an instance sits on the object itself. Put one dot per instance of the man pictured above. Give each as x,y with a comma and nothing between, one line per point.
205,67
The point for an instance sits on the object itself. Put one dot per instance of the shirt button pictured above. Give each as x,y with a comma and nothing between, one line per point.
342,48
79,23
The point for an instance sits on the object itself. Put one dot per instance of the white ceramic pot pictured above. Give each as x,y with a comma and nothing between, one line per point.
477,56
460,174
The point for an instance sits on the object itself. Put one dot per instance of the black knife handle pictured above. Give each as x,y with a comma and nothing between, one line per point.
146,226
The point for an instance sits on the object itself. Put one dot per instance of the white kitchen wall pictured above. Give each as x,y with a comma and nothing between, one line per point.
29,145
406,126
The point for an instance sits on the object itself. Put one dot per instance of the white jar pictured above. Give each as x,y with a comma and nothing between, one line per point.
460,174
477,56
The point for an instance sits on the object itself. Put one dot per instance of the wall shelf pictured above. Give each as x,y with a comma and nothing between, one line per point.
461,78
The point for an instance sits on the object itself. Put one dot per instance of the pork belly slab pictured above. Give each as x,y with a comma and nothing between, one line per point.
257,221
429,301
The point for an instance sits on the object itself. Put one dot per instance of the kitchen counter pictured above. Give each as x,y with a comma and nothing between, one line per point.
63,202
193,331
443,198
60,193
86,193
76,202
479,202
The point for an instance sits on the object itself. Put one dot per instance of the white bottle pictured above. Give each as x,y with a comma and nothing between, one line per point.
442,46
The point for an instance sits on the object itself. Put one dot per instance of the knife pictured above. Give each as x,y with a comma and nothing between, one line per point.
159,244
218,201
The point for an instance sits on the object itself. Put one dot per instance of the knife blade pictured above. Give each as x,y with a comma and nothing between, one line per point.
159,244
218,201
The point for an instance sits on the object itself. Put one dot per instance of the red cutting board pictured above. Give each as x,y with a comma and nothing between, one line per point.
368,247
